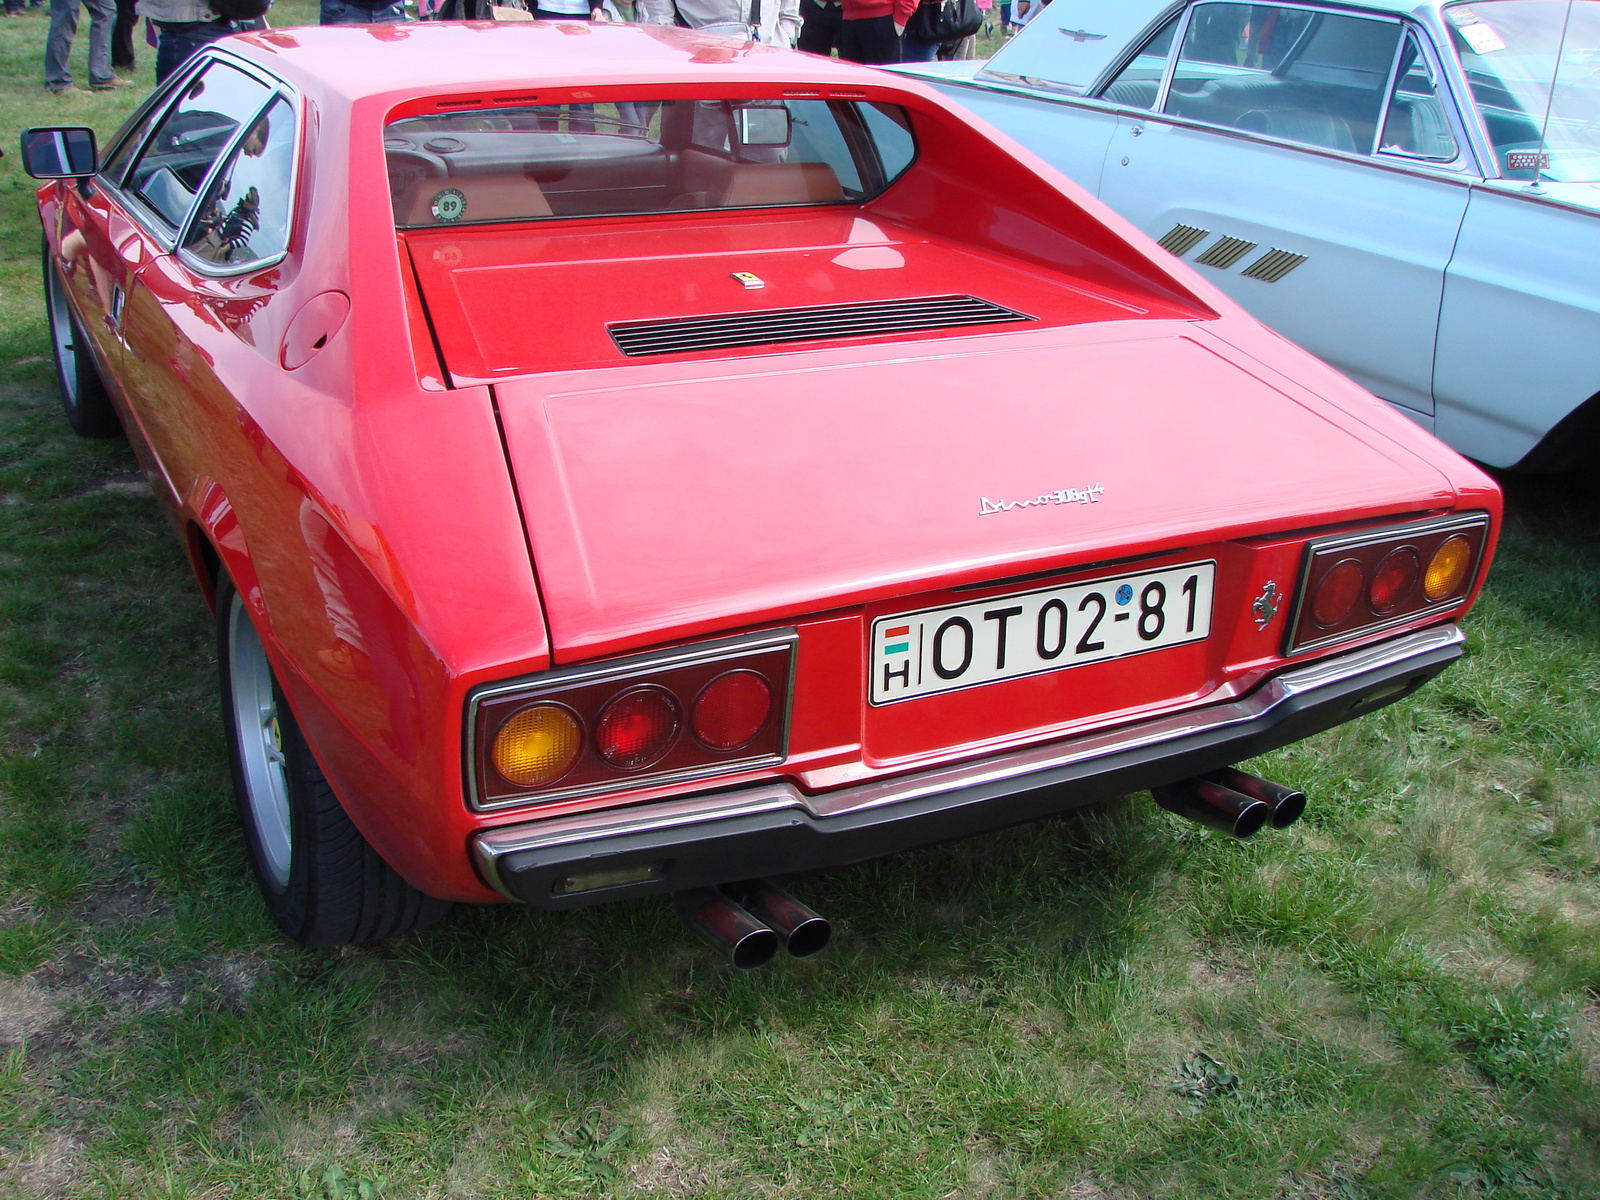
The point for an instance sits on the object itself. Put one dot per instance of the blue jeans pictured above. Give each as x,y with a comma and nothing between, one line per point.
343,12
179,40
58,43
914,49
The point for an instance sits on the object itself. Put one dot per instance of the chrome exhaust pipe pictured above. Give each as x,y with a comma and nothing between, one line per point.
1214,806
725,925
1287,803
803,931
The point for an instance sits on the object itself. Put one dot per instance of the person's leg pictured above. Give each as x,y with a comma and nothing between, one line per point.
869,40
179,41
122,34
58,44
102,19
914,49
385,14
337,12
819,33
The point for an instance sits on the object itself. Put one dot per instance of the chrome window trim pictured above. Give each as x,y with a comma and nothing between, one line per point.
1364,14
1486,162
1388,92
1455,521
1418,168
533,686
1179,36
1137,44
170,239
211,270
162,98
1466,158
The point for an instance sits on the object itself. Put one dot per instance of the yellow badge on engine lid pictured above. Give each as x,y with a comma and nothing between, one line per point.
749,280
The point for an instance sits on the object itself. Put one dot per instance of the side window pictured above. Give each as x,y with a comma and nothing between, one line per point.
245,216
191,136
1138,83
1311,77
1416,124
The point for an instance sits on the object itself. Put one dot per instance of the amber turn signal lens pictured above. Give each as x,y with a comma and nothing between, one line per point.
731,710
1337,592
1447,569
1394,579
636,728
538,745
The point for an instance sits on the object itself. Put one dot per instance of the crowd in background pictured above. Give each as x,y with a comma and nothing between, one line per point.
864,31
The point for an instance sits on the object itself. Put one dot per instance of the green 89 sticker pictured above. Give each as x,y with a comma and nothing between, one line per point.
449,205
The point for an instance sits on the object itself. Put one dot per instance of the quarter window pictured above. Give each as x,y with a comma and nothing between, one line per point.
245,216
1416,125
190,138
1311,77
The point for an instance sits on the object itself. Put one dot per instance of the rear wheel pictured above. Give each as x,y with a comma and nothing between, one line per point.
83,392
323,883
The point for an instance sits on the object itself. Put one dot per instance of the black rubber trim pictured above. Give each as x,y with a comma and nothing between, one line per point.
792,841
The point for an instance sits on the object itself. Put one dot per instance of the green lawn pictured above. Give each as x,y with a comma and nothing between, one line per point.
1396,998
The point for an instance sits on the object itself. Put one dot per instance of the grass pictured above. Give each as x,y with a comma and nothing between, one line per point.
1396,998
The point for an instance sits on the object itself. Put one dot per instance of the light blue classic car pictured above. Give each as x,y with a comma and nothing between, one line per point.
1409,190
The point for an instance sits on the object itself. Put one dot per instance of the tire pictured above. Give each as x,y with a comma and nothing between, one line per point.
322,881
83,393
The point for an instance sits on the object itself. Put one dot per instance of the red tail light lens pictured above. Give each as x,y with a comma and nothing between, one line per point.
731,710
637,728
1337,592
1358,583
1394,580
611,728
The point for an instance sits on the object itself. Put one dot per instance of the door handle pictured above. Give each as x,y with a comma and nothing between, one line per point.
119,301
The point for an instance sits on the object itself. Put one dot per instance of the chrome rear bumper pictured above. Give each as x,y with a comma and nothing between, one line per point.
776,829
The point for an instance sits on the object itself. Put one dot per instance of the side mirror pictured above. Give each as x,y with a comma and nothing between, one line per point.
63,152
763,124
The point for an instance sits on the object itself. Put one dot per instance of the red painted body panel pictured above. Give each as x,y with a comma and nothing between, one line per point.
376,506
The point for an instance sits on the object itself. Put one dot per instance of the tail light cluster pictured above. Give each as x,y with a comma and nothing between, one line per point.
1357,583
676,715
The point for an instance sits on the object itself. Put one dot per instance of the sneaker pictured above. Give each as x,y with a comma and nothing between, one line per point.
59,89
116,81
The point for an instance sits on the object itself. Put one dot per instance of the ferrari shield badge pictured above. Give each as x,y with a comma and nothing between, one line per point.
1266,605
746,279
450,204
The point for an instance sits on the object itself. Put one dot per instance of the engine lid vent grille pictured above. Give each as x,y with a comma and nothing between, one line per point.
808,324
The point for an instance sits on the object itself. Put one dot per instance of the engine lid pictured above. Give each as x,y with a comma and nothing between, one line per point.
673,500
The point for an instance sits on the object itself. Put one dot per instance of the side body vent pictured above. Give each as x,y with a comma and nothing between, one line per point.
1273,265
808,324
1181,239
1226,252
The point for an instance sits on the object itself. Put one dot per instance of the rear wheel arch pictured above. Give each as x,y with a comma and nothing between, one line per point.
323,883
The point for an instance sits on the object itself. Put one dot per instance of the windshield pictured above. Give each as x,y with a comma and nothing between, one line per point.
641,156
1509,50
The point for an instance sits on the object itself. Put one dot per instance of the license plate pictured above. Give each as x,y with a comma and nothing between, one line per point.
1008,637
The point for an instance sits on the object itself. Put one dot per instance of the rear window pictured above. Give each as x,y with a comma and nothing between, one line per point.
641,156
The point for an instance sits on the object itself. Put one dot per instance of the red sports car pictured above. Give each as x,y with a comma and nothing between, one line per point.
626,461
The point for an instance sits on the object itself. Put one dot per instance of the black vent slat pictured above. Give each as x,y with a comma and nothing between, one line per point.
727,330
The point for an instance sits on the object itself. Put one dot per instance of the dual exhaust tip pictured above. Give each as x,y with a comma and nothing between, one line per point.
1232,802
752,922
